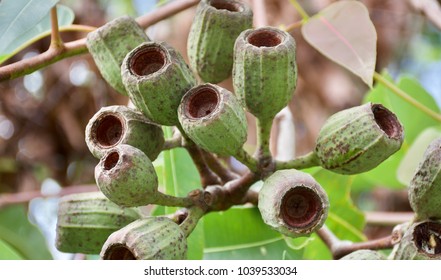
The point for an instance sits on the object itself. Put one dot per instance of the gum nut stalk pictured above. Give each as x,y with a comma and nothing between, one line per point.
214,30
293,203
264,70
358,139
110,43
425,186
154,238
213,118
156,77
127,177
85,220
422,241
364,255
115,125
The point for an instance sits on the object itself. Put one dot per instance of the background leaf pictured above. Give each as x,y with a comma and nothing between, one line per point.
22,238
344,33
8,253
65,17
413,120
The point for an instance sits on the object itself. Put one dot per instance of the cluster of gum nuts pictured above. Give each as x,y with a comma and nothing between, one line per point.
212,121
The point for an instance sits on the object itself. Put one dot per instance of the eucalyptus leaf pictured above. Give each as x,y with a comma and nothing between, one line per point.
8,253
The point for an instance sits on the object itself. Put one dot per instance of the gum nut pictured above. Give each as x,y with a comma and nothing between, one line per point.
364,255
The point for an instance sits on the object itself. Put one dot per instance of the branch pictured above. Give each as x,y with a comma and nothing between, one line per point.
388,218
302,162
27,66
208,177
259,10
56,41
224,173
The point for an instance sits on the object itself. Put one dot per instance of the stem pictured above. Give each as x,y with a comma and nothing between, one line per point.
56,41
27,66
340,248
300,10
259,10
246,159
208,177
238,190
263,128
388,218
302,162
172,143
224,173
409,99
293,26
189,224
173,201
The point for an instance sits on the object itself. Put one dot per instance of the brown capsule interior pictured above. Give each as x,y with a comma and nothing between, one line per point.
264,38
111,160
301,207
109,130
148,61
118,252
387,121
202,102
226,5
427,237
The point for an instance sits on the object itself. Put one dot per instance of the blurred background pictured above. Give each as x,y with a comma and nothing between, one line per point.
43,115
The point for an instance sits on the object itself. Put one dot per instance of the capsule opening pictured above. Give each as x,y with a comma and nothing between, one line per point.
202,102
264,38
301,207
427,238
387,121
111,160
109,131
118,252
148,61
225,5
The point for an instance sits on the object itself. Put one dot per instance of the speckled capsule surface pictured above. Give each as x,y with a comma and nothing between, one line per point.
358,139
110,43
154,238
115,125
293,203
213,118
86,220
364,255
214,30
156,77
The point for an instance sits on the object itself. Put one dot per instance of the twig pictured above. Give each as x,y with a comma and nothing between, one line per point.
25,197
172,143
237,190
246,159
56,41
30,65
208,177
224,173
302,162
388,218
259,10
300,10
340,248
293,26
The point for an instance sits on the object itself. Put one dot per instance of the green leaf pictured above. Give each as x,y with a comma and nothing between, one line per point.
344,33
180,176
30,33
413,120
344,219
8,253
414,155
20,235
240,233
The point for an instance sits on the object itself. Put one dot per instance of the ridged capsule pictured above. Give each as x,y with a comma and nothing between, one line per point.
214,30
264,70
214,119
156,77
364,255
293,203
127,177
110,44
154,238
115,125
86,220
358,139
425,186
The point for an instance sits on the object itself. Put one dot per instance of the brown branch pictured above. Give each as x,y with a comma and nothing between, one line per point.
341,248
224,173
27,66
259,10
388,218
208,177
56,41
25,197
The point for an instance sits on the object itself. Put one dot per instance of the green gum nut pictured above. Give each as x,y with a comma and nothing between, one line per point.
364,255
115,125
127,177
358,139
212,117
425,186
156,77
264,70
422,241
110,44
293,203
214,30
86,220
155,238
